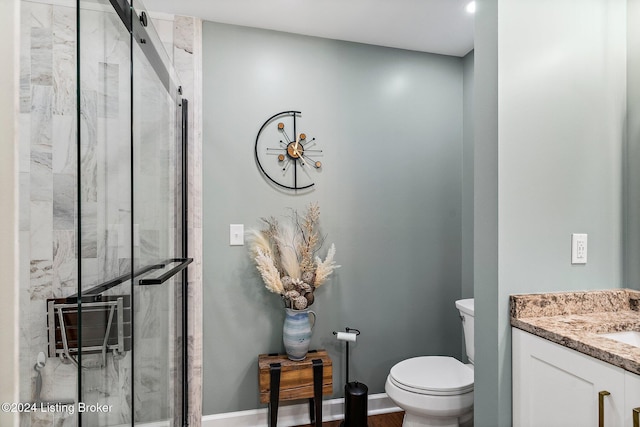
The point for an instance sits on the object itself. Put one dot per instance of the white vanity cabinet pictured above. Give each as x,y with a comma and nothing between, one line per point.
554,386
632,399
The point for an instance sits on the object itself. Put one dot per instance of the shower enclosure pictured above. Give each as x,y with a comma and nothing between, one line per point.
106,294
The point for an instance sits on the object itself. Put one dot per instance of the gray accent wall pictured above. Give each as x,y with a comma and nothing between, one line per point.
390,192
487,374
550,130
467,176
632,152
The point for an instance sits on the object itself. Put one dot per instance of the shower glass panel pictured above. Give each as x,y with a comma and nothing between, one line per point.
125,324
104,344
157,216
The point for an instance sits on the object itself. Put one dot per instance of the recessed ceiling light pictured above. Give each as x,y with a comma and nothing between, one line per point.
471,7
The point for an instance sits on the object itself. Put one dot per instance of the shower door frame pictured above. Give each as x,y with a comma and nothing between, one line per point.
135,25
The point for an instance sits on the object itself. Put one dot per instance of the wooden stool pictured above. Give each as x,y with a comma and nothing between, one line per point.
284,379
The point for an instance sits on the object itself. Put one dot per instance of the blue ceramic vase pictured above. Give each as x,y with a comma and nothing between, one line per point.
296,332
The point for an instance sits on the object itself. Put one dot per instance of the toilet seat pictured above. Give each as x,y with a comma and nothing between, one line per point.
432,375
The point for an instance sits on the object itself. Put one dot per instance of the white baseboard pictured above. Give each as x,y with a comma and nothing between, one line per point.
292,415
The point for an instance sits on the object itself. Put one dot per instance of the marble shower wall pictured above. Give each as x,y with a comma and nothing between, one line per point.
48,262
48,193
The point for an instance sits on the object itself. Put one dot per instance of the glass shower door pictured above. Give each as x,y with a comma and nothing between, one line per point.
129,306
157,218
104,350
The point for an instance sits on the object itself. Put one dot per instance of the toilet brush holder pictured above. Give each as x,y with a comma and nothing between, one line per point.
356,394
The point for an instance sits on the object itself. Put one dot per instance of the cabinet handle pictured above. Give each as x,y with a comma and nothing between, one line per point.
601,396
636,417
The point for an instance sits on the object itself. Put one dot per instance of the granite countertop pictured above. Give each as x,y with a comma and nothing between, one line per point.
574,320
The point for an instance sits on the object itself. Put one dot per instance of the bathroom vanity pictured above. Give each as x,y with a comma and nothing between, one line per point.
576,359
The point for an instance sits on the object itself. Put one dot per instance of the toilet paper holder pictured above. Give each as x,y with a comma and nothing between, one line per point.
349,336
355,393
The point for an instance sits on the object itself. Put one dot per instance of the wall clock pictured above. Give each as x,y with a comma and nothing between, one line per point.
286,156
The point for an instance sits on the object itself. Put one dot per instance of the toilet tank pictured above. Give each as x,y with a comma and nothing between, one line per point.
465,306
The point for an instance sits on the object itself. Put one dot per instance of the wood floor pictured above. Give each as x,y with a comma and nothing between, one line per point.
393,419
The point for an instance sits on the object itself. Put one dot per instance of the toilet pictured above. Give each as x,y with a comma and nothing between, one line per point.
436,390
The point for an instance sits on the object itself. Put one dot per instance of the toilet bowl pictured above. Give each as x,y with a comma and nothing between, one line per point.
436,390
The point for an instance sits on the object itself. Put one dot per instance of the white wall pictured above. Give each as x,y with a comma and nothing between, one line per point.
561,99
9,19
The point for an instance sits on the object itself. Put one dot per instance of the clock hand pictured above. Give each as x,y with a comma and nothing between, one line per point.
297,153
299,156
301,137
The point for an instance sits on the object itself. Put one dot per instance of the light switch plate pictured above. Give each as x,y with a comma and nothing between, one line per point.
578,248
236,234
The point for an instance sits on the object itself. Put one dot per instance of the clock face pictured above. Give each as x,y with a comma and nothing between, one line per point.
286,156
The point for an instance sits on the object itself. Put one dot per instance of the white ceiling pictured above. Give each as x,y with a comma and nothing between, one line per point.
437,26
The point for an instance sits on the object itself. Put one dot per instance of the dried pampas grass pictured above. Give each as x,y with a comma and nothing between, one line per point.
285,256
326,267
269,272
287,242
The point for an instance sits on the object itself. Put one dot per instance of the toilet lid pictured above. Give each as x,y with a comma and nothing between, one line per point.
433,375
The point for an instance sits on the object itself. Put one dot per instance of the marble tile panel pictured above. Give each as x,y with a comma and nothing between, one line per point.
59,381
25,59
41,279
41,230
123,234
41,182
148,327
125,265
41,14
41,128
65,419
108,257
164,28
41,56
25,419
108,90
183,33
25,202
25,141
89,229
26,362
195,252
88,144
25,261
89,273
153,384
64,190
41,419
64,148
38,340
150,244
110,385
65,265
64,60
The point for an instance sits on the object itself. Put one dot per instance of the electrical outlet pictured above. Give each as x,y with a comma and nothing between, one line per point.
236,234
578,248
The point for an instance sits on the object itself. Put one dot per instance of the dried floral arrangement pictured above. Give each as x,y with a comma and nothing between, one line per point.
285,256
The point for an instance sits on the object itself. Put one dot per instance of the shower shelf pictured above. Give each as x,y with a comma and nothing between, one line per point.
98,326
